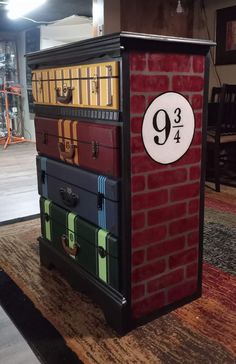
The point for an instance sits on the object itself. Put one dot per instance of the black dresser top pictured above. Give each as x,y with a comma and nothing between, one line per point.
113,45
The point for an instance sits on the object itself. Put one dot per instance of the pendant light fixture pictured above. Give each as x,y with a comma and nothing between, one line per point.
19,8
179,8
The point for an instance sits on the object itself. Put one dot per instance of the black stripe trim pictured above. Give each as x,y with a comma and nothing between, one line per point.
76,113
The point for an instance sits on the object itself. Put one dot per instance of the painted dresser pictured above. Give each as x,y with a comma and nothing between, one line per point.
120,133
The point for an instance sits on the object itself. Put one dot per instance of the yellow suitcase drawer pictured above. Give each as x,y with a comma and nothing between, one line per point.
91,86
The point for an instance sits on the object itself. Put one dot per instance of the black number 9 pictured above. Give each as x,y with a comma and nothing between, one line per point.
165,129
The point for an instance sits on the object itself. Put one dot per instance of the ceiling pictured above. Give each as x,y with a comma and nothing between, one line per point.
52,10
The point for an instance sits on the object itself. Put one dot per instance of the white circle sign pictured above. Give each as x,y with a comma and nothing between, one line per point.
168,127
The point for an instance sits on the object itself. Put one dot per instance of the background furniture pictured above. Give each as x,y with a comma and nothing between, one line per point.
222,126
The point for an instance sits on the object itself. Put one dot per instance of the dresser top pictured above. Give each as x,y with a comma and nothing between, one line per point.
113,45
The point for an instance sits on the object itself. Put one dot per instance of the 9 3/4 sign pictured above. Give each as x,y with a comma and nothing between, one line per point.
168,127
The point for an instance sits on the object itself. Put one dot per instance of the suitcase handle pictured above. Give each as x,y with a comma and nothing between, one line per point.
63,153
95,149
44,138
66,97
69,198
70,251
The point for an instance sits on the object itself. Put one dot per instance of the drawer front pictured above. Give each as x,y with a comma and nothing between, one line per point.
84,193
91,146
94,249
88,86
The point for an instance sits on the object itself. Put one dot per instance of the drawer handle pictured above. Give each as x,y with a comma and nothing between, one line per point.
66,96
102,252
46,216
68,197
69,154
95,85
95,149
70,251
44,138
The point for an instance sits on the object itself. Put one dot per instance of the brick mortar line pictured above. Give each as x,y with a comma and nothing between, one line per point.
154,93
196,230
165,290
166,258
167,74
184,165
168,203
187,213
169,187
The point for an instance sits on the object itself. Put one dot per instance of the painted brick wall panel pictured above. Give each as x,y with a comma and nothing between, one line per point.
198,64
138,292
192,156
192,270
136,125
167,213
137,104
193,238
169,63
148,200
148,236
197,102
149,83
138,61
184,192
166,280
183,290
137,144
187,83
165,248
195,172
165,202
197,139
138,257
198,120
149,270
138,221
194,206
167,178
138,183
183,258
148,304
183,225
143,163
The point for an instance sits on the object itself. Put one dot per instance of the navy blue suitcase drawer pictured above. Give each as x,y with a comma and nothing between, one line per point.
93,197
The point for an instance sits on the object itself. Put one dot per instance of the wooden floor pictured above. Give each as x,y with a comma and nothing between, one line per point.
18,182
18,199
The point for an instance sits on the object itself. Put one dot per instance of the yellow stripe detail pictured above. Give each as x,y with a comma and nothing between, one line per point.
60,138
48,233
75,142
102,261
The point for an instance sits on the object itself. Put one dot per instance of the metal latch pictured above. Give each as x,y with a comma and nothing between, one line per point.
100,198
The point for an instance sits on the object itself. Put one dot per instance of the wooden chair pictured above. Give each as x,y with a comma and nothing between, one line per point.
215,94
223,130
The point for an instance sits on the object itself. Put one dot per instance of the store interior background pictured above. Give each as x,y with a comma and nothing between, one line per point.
84,19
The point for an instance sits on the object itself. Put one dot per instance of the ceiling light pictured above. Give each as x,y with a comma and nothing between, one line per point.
179,8
18,8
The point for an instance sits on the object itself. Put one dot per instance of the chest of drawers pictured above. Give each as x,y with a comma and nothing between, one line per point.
120,132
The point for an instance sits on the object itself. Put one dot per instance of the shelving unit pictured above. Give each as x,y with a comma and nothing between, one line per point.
11,121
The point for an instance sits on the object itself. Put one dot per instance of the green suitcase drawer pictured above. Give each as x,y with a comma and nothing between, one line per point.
93,248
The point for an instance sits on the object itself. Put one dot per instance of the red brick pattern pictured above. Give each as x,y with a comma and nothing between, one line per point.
165,198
